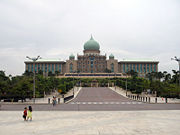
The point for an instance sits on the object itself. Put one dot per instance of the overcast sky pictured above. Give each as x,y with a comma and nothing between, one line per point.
56,28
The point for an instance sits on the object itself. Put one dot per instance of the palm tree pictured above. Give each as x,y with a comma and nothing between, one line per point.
57,73
132,73
167,77
174,77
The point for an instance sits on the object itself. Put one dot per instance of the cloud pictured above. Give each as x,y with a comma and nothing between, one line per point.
128,29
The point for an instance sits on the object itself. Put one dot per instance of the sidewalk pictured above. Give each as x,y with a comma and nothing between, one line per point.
91,123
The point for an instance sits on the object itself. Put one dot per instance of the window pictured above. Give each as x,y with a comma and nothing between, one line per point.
49,67
35,67
52,68
71,68
28,65
130,67
123,68
144,68
56,67
154,67
112,67
42,67
39,67
148,68
138,68
60,68
32,67
127,68
45,67
134,67
151,67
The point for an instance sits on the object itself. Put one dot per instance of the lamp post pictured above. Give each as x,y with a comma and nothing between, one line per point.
73,82
34,61
126,84
73,86
178,60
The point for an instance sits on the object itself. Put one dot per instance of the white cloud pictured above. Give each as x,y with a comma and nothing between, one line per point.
128,29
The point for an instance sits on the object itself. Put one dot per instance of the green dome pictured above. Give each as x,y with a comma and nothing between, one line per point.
111,56
91,45
71,56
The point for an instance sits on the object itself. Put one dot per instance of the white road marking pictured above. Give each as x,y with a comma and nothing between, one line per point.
101,103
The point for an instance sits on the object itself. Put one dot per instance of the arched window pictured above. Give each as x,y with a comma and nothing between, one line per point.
71,68
112,67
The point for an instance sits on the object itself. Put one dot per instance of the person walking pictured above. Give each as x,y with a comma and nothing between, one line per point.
25,114
54,101
29,113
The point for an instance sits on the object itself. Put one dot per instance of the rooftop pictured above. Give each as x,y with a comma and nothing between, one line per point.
47,60
138,60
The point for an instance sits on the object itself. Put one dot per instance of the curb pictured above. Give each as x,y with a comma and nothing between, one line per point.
75,95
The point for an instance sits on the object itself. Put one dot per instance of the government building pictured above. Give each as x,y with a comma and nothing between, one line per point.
91,64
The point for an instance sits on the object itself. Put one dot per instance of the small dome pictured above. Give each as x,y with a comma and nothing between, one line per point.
71,56
91,45
111,56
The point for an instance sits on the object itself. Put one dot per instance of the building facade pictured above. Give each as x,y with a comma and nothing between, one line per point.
91,62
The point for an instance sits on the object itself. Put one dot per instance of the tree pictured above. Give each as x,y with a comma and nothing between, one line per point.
132,73
107,70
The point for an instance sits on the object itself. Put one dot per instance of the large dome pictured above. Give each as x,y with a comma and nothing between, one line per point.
91,45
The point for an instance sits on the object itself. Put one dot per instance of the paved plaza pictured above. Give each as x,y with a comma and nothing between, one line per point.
95,111
91,123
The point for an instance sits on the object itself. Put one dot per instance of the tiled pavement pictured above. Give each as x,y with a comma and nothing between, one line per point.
91,123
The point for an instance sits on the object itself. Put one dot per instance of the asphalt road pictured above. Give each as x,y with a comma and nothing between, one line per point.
95,99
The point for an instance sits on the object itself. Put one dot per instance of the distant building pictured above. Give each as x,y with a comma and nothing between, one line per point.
91,63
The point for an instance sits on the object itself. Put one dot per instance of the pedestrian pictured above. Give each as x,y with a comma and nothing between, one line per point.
29,113
25,114
54,101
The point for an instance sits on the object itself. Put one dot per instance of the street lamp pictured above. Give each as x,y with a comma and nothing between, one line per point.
73,86
178,60
34,61
126,84
73,82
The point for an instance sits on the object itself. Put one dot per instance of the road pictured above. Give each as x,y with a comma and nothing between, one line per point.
96,99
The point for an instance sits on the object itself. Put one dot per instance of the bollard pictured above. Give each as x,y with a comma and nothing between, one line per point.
156,100
143,99
146,99
58,100
166,100
49,100
61,100
149,99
